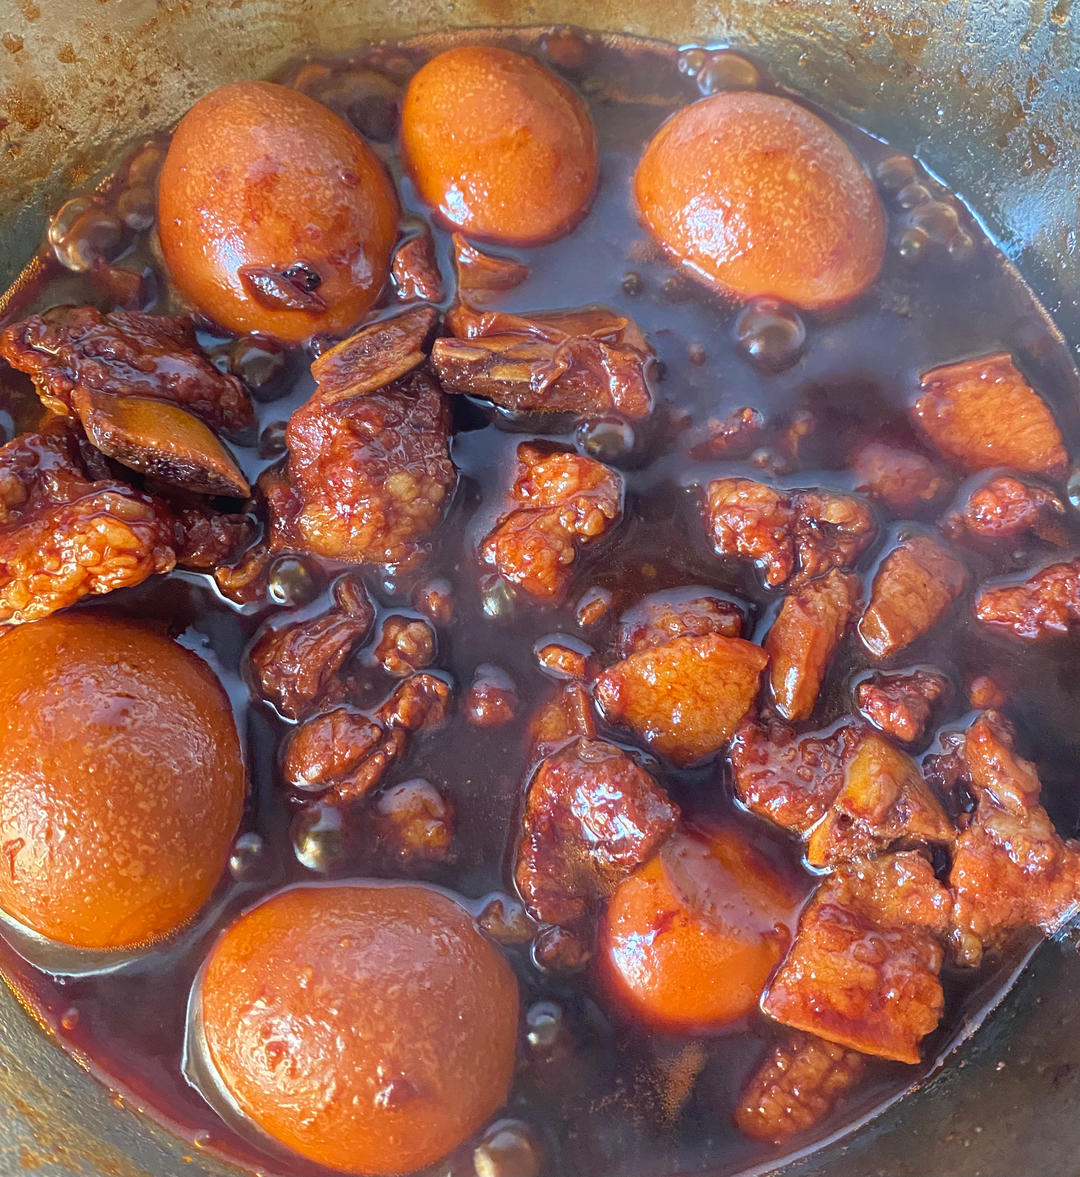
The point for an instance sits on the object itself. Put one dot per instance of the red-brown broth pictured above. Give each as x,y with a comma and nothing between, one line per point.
596,1098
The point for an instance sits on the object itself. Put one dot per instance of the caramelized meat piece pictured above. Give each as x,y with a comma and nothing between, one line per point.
587,362
419,703
569,501
1010,869
482,273
686,697
884,802
414,821
374,356
492,698
295,664
901,704
65,534
405,644
796,1086
735,436
905,481
983,413
415,270
863,971
790,534
790,779
565,716
370,476
676,613
1004,508
804,638
563,661
591,817
916,583
329,746
207,538
1046,605
70,352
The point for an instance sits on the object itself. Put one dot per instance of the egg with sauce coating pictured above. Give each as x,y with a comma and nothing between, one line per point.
121,781
367,1026
274,216
688,942
504,149
757,196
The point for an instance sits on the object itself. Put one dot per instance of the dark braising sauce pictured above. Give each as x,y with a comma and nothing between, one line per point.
594,1088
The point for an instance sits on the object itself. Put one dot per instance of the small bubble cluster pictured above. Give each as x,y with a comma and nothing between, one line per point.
926,224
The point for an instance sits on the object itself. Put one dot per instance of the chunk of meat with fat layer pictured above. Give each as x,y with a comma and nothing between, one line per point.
591,817
71,352
68,531
905,481
808,629
1004,509
1046,605
676,613
796,1086
982,413
914,586
1010,869
686,697
901,703
884,802
863,969
368,477
568,501
791,535
295,664
789,778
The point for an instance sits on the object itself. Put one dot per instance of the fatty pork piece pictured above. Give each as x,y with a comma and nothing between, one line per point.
912,590
69,528
863,969
690,611
900,703
1046,606
804,637
796,1086
588,361
369,475
1000,510
592,816
566,502
686,697
72,353
1010,868
792,535
982,413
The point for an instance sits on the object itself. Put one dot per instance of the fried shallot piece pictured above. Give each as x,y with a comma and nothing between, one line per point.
804,637
480,273
1046,605
796,1086
592,816
346,753
567,501
415,270
296,664
982,413
884,802
914,586
69,529
1003,509
788,778
686,697
676,613
1010,869
72,352
369,476
791,535
586,361
863,969
567,714
902,702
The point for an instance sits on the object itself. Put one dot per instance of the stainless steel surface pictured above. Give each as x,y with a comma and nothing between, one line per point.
985,92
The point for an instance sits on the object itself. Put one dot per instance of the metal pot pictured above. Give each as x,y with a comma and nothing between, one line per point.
986,94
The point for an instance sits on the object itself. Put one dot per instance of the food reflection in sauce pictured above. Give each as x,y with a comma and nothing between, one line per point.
660,566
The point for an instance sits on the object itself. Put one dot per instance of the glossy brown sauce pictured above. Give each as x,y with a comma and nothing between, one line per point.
595,1091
